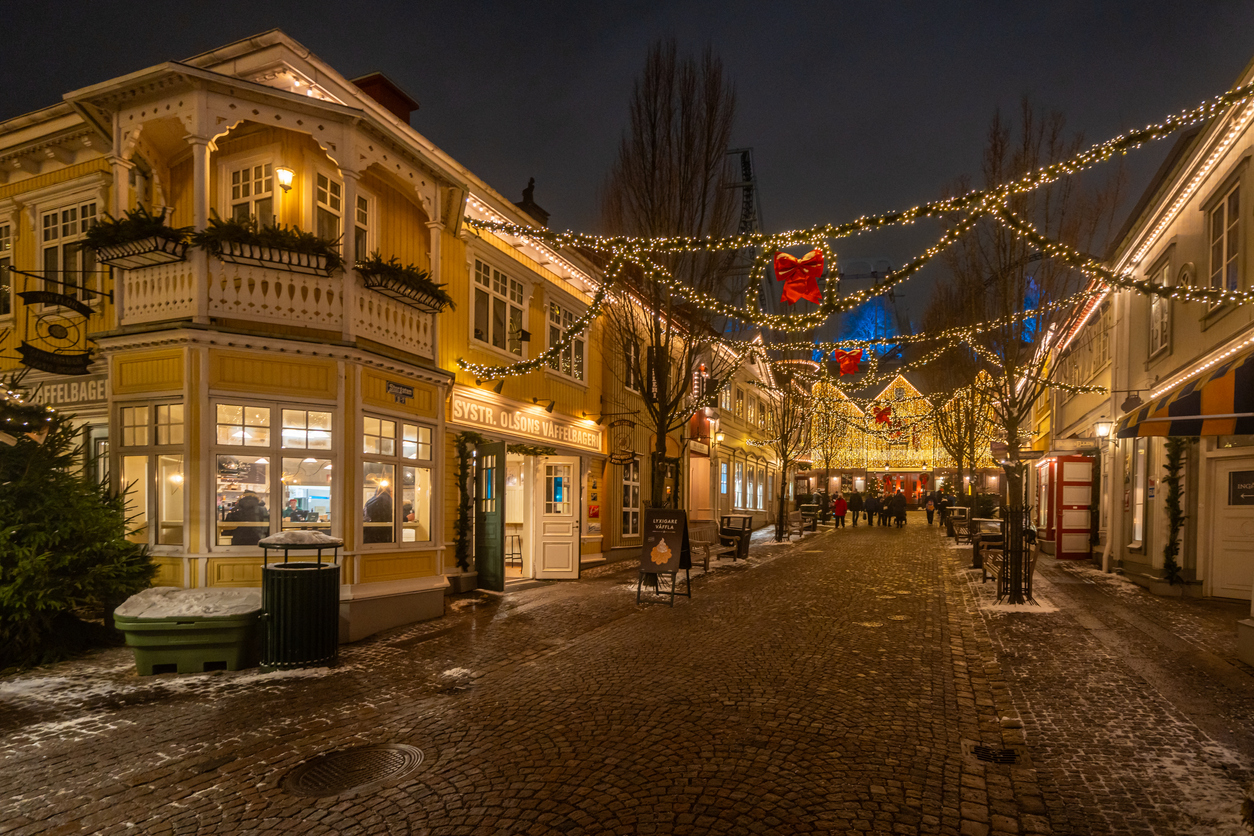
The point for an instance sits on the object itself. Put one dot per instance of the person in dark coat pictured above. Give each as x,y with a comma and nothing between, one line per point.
886,509
872,508
855,506
248,509
898,504
379,510
929,505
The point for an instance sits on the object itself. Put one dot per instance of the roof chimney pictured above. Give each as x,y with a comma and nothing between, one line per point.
528,204
384,91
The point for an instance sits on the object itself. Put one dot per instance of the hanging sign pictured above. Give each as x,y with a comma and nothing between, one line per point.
622,442
665,550
75,363
47,297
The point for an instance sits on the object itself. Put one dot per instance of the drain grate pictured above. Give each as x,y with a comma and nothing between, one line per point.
352,769
990,755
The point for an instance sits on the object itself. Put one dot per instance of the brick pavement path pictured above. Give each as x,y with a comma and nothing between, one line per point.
836,684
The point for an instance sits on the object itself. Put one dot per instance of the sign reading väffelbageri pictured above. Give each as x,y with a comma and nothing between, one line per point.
508,417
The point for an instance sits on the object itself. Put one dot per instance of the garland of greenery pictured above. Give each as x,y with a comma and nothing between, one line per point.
464,532
134,225
531,450
409,275
1175,514
234,231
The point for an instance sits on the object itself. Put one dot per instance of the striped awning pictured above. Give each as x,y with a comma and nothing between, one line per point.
1220,402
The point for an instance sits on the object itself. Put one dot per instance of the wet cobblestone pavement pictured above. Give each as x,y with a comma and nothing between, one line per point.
845,683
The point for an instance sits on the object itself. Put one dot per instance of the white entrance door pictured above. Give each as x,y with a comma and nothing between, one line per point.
699,506
557,510
1232,529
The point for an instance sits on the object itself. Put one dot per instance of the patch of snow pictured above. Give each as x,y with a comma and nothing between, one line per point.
456,672
175,602
298,537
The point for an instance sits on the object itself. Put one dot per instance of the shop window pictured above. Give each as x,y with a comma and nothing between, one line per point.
558,490
152,472
498,309
631,498
252,193
722,478
243,426
382,520
306,430
570,361
69,267
6,261
328,207
740,485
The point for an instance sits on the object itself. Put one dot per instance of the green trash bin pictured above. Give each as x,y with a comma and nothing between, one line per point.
300,608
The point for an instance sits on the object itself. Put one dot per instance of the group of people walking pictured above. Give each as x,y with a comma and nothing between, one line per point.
887,510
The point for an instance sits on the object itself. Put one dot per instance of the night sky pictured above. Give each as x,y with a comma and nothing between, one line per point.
850,108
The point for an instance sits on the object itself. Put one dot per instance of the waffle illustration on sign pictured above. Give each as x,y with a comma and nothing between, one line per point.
661,553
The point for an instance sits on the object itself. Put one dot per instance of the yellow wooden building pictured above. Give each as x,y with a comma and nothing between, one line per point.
206,379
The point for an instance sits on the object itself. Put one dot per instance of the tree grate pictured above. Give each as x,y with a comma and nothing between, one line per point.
352,769
990,755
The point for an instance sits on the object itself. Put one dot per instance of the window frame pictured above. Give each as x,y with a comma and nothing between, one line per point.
334,188
1231,229
368,243
152,451
629,485
567,309
228,165
1159,309
60,240
475,286
632,381
274,452
722,478
397,460
1138,500
738,485
6,262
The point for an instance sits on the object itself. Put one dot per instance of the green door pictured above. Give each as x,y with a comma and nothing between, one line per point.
490,515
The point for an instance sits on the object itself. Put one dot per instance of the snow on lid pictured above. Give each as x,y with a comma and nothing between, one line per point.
173,602
301,538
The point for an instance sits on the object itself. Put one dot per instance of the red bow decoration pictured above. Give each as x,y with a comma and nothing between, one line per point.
799,276
848,360
883,416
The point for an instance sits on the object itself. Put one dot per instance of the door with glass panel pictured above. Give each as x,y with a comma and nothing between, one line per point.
557,512
490,515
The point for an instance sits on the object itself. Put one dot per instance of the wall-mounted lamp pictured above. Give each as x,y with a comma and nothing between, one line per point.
550,407
1102,429
719,437
285,176
500,384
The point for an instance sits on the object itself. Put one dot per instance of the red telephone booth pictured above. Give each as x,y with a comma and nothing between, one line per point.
1064,486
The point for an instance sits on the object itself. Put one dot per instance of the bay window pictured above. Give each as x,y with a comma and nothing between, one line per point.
396,462
152,471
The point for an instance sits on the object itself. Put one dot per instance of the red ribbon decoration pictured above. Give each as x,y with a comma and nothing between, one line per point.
799,276
848,360
883,416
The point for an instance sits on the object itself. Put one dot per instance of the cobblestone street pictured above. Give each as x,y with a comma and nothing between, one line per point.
848,682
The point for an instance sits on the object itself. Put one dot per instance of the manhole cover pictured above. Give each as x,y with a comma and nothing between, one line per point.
352,769
990,755
899,618
869,623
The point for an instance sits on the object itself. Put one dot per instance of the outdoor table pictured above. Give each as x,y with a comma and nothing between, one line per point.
737,525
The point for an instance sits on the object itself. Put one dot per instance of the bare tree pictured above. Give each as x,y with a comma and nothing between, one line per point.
788,422
997,275
670,178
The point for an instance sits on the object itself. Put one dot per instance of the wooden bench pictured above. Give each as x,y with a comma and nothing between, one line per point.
993,560
796,523
704,537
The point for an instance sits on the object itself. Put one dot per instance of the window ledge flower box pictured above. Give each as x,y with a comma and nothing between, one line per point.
256,255
142,252
407,284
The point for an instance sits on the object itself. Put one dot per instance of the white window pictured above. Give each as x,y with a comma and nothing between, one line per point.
725,398
761,485
631,498
328,207
498,309
722,478
152,472
252,193
1224,221
1140,472
68,267
382,521
361,227
559,490
749,489
752,411
762,414
740,403
1160,311
570,361
740,485
6,261
631,366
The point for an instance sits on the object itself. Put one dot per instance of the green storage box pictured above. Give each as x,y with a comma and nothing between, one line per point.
191,630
